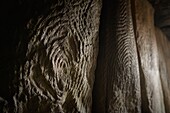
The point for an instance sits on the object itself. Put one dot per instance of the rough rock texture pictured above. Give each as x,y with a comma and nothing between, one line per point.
118,48
50,62
152,95
57,71
164,66
117,83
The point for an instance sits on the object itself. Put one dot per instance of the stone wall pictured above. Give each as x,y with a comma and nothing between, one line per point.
83,56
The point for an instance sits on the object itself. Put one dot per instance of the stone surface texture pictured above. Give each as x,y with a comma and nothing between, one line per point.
57,72
117,83
152,95
85,56
164,64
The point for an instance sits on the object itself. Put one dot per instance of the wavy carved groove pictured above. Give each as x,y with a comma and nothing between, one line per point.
60,61
117,63
125,76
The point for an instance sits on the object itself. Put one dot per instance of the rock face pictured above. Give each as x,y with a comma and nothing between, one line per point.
85,56
117,83
57,71
164,64
146,76
152,95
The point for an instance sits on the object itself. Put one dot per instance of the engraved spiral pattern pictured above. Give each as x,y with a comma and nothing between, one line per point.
58,72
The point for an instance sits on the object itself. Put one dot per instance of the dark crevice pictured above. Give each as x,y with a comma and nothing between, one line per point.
107,21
